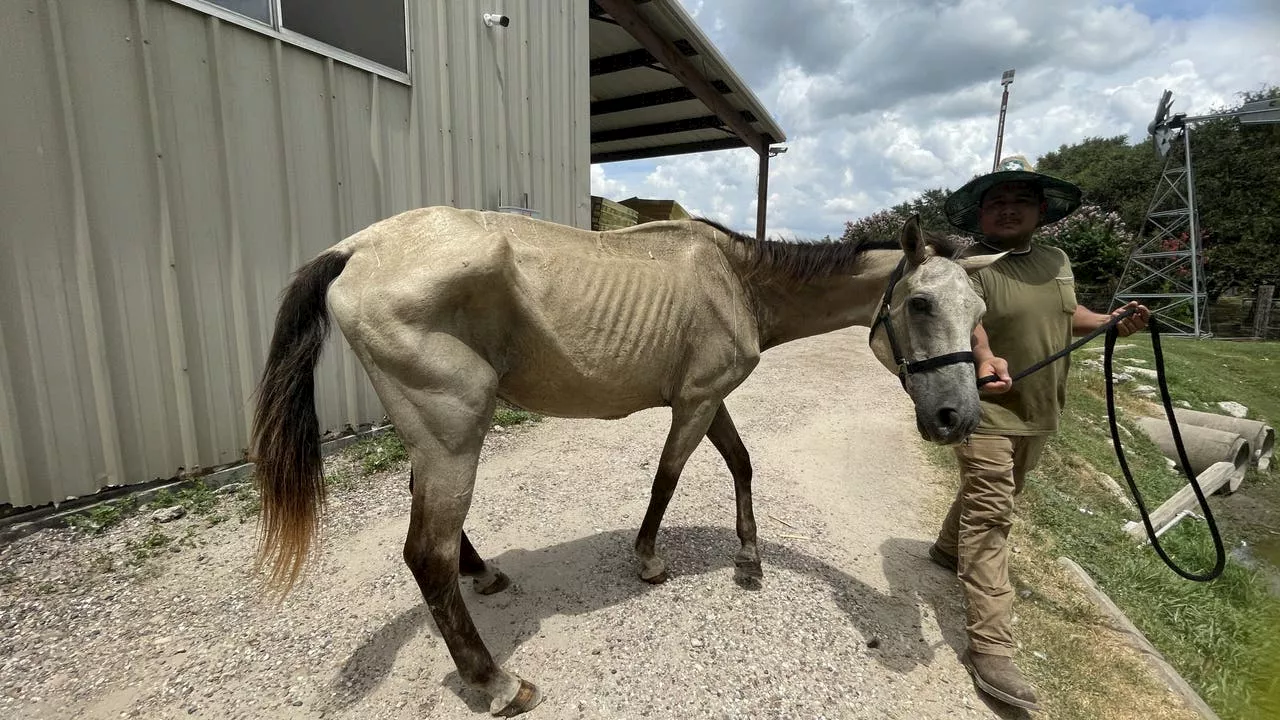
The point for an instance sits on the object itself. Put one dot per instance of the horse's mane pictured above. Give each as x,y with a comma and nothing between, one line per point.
805,261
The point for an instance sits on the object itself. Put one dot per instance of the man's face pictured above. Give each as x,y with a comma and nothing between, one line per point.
1010,213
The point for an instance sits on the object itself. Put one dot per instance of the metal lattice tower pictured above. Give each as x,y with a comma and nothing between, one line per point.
1165,270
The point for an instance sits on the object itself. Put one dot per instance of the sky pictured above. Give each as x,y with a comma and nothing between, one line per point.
883,100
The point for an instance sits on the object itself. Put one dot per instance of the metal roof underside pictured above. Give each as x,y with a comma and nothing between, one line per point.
642,107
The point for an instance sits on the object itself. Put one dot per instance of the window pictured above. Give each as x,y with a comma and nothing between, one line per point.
259,10
372,31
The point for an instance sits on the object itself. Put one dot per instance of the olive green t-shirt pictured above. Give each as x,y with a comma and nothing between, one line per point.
1030,299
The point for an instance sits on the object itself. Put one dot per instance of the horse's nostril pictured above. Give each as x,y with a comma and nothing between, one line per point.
948,417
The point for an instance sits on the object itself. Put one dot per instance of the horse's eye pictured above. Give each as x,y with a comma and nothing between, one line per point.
920,304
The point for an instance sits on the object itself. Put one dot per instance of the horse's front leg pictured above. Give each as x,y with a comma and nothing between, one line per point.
724,436
689,423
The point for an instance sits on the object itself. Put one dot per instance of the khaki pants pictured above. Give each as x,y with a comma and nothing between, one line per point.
992,471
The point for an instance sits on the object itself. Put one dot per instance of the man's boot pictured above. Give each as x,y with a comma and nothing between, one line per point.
942,558
1001,679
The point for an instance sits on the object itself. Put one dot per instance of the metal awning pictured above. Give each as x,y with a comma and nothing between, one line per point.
659,87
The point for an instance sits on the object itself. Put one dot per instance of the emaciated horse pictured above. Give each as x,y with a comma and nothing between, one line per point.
449,310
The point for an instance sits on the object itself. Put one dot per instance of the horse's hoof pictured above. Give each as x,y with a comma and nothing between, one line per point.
526,699
750,568
658,579
749,575
496,584
653,570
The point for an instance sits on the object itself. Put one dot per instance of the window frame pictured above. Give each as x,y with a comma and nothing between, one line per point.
277,31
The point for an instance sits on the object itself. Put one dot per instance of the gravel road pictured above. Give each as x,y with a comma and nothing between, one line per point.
852,620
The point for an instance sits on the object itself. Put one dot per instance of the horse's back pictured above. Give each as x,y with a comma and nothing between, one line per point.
576,322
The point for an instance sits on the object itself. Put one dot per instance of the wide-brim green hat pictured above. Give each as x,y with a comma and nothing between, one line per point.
963,207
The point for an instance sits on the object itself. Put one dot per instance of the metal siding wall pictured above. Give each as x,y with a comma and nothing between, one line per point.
165,172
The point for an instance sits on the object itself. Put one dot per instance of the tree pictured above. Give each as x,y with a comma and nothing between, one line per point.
886,224
1097,242
1238,193
1111,173
1237,190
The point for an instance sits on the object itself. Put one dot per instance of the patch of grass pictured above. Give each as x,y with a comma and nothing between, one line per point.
154,539
248,503
342,480
378,454
147,546
1208,371
197,498
508,416
1222,636
97,520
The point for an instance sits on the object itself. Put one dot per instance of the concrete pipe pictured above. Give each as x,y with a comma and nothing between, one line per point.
1261,437
1204,446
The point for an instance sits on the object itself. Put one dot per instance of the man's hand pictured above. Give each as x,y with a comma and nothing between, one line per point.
1134,322
995,366
986,363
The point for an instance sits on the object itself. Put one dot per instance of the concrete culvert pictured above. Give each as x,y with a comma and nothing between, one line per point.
1204,446
1261,437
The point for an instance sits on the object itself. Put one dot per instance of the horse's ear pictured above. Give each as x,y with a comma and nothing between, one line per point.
912,240
975,263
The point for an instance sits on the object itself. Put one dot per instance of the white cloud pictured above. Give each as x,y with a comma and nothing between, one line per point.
605,186
881,101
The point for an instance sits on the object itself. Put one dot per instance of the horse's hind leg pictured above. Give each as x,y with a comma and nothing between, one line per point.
486,580
688,426
442,411
724,436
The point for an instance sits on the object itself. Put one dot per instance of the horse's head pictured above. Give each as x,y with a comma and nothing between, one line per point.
932,312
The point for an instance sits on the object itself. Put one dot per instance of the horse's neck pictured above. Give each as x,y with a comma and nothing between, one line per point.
791,312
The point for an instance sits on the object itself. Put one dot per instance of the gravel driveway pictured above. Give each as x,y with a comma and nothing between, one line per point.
852,620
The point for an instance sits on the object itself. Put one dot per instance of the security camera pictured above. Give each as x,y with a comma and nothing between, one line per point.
492,19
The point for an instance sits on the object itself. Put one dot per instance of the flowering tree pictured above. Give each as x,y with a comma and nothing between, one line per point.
1098,243
884,225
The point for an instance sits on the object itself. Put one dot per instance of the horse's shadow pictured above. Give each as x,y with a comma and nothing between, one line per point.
598,571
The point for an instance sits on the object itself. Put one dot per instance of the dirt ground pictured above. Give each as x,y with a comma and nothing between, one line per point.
852,620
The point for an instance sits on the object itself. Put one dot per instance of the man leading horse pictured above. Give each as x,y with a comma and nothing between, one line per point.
1031,314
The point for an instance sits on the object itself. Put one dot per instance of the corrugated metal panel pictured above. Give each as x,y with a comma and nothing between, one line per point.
165,171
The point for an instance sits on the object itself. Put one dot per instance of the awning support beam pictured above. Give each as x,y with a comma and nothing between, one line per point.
762,195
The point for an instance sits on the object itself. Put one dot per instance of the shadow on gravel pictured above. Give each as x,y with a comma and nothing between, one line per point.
907,565
598,571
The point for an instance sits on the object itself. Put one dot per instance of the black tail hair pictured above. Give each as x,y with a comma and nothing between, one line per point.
285,440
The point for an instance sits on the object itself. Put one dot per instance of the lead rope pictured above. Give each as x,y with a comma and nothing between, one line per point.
1153,327
1185,465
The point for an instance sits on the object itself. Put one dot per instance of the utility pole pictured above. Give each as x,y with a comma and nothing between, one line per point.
1005,81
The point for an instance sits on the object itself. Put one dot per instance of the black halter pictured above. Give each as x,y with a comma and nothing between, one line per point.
906,368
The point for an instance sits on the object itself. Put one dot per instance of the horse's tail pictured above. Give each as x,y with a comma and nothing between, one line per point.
285,440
